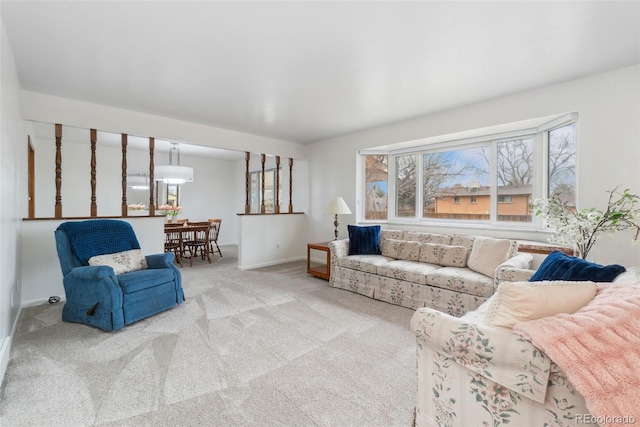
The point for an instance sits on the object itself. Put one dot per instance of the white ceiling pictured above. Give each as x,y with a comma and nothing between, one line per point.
305,71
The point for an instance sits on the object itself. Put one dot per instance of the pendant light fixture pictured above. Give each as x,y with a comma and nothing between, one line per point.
173,174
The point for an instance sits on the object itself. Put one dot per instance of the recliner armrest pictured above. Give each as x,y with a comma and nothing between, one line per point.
91,272
164,260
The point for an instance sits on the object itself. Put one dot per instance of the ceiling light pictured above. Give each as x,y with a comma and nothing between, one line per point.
173,174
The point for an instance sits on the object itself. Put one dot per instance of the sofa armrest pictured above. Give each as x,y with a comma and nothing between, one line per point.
508,274
514,269
497,354
339,249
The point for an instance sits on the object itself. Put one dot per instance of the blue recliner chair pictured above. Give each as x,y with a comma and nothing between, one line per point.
96,296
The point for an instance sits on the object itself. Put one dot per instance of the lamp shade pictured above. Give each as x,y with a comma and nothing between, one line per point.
337,206
172,174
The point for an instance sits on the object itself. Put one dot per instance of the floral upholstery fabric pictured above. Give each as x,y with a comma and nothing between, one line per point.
473,374
414,236
410,271
462,280
368,263
445,255
401,249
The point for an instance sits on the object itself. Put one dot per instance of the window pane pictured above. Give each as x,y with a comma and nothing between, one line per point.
456,184
406,185
376,179
562,163
514,174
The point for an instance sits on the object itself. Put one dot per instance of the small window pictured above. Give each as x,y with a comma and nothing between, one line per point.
505,199
474,199
456,199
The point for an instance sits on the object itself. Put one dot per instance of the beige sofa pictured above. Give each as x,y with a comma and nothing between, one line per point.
453,273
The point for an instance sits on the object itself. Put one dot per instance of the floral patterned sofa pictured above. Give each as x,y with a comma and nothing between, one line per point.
473,373
453,273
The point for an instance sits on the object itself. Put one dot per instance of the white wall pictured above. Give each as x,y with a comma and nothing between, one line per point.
608,105
13,153
52,109
271,239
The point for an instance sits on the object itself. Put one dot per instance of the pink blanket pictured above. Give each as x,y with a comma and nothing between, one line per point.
598,347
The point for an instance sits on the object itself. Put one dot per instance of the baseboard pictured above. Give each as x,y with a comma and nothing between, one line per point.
270,263
5,347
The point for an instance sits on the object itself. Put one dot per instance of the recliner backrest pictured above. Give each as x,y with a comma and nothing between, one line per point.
85,239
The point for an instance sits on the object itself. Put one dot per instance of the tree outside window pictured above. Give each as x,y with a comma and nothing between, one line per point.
406,185
376,183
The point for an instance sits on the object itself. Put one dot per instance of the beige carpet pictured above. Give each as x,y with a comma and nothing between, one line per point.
268,347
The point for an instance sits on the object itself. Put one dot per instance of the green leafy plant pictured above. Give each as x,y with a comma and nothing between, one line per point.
581,228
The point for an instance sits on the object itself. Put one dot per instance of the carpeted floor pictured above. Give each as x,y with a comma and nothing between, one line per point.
267,347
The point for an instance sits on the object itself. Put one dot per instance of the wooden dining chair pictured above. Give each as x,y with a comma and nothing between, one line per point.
173,241
214,231
196,239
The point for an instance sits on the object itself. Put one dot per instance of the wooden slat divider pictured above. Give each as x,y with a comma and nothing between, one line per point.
290,185
152,205
263,208
247,208
94,206
277,186
124,208
58,205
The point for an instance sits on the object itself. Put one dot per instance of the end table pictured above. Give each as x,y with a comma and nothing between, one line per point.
322,271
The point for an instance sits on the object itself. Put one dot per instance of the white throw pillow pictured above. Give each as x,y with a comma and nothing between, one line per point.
516,302
487,254
122,262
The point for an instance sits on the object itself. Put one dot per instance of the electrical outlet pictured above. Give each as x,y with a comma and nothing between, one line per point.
277,245
12,303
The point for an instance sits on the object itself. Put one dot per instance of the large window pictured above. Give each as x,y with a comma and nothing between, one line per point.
488,179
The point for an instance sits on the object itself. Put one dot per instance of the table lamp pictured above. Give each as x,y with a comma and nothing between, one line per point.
337,206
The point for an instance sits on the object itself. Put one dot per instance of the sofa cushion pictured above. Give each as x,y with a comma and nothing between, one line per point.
401,249
487,254
415,236
410,271
364,240
367,263
516,302
391,234
461,280
560,266
463,240
445,255
121,262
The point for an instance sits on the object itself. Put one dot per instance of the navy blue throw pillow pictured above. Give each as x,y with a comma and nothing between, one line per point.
364,240
560,266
